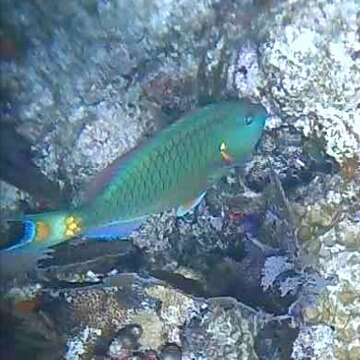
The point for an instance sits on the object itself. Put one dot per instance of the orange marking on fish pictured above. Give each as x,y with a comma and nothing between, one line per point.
42,231
225,155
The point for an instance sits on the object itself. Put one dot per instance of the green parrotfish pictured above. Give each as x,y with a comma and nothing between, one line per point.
173,170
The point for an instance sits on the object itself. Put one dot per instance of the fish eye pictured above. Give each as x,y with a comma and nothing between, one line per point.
248,119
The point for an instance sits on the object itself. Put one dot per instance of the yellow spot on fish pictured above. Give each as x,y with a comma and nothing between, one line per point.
224,154
69,220
72,226
42,231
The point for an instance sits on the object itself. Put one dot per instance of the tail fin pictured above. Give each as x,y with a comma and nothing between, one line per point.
41,231
20,234
28,240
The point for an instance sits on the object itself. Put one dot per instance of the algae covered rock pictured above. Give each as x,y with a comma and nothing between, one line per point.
226,331
311,66
328,239
134,314
314,342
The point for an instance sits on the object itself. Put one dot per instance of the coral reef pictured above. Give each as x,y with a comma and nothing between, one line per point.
311,70
329,234
308,70
269,263
143,315
314,342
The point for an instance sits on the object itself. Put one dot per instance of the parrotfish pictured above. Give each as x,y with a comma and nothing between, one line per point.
173,170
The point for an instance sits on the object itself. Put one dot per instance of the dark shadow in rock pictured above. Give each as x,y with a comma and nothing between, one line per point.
242,280
18,169
294,158
28,336
275,340
99,257
223,275
189,286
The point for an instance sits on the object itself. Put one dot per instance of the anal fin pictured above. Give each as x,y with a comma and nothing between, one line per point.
114,230
187,207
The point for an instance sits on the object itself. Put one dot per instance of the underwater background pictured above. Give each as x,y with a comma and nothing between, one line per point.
268,265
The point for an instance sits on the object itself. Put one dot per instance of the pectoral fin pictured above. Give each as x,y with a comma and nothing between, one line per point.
187,207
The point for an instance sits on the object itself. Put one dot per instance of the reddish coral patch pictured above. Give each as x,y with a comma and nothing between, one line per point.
350,167
27,306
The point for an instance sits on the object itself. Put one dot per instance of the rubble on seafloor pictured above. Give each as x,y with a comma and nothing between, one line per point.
268,265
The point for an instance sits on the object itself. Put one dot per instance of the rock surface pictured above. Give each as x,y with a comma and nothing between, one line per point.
86,81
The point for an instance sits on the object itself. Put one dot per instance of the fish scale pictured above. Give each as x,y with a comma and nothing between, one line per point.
168,162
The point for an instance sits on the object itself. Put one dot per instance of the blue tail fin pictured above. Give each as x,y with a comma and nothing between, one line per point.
20,234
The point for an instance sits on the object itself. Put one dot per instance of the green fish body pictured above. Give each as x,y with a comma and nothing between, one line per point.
173,170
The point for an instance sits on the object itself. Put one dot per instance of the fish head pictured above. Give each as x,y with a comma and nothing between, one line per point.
244,130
